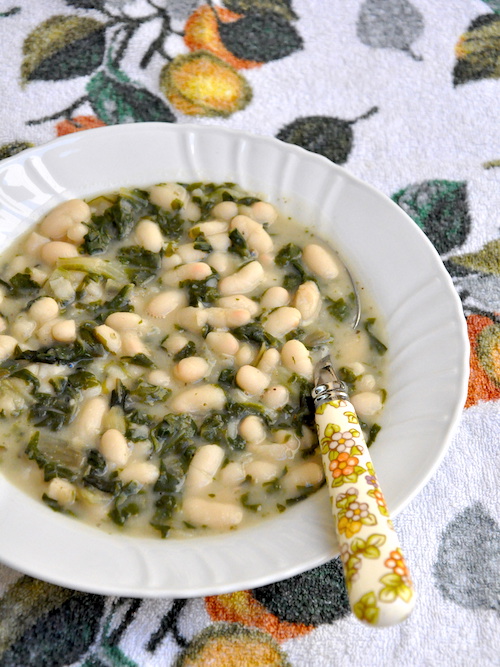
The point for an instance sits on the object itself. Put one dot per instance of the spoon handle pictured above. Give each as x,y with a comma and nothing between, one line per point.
377,578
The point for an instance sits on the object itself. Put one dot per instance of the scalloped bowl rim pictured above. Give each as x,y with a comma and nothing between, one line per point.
384,248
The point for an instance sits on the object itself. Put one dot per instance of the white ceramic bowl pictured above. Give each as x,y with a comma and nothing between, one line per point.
428,351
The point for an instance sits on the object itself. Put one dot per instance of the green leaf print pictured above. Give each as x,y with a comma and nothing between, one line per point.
116,99
6,150
440,209
478,51
494,5
486,260
63,47
366,608
390,24
282,7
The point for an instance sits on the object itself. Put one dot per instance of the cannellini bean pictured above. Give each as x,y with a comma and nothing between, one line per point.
243,281
149,236
23,328
77,232
192,318
62,217
225,210
254,234
245,355
109,338
282,320
64,331
175,343
33,244
232,474
132,344
209,228
251,380
163,195
219,242
269,360
3,324
357,368
210,513
191,212
171,262
200,399
274,297
44,332
261,471
18,264
143,472
204,466
7,346
188,253
295,356
263,212
159,378
227,317
275,397
307,300
44,309
305,474
123,321
367,403
222,342
165,302
288,437
366,383
87,425
191,369
239,301
319,261
192,271
114,447
221,262
53,250
252,429
62,491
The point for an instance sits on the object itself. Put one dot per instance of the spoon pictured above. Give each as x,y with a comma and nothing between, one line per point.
377,579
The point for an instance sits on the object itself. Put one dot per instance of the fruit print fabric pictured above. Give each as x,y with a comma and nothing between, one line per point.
409,107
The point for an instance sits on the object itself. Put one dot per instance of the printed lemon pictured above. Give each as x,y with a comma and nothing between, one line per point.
200,84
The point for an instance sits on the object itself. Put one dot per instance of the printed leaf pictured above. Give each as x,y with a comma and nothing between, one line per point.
390,24
63,47
116,99
494,5
260,37
366,608
282,7
488,352
478,51
86,4
440,209
7,150
486,260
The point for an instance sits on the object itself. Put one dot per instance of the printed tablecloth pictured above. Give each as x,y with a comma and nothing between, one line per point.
405,95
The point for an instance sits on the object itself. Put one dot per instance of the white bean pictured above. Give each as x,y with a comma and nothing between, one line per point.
221,262
263,212
64,331
261,471
132,344
44,309
269,360
62,217
282,320
275,397
191,369
149,235
87,425
222,342
123,321
258,240
163,195
210,513
143,472
200,399
188,253
44,332
171,262
232,474
243,281
22,328
308,301
62,491
192,271
114,447
192,318
302,476
319,261
34,243
77,232
251,380
165,302
225,210
209,228
204,466
252,429
245,355
366,383
220,318
109,338
367,403
3,324
295,356
159,378
175,343
239,301
219,242
274,297
7,346
53,250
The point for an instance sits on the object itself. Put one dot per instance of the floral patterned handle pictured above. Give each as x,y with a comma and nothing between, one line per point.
377,578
